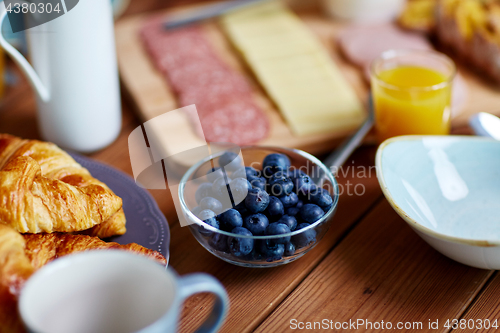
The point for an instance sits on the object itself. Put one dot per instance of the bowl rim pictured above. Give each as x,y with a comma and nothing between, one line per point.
412,222
302,153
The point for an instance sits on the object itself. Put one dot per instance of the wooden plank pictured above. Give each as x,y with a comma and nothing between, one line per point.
486,306
254,293
381,271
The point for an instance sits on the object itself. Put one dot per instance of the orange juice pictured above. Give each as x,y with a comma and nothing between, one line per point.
411,100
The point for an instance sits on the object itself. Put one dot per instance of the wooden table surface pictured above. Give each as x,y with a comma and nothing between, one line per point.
370,265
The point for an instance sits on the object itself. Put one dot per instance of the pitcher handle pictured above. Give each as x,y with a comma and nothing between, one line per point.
25,66
200,283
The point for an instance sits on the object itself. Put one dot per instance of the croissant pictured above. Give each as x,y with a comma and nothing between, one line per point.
22,255
57,164
43,248
32,203
15,269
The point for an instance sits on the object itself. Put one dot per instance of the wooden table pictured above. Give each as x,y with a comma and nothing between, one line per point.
370,265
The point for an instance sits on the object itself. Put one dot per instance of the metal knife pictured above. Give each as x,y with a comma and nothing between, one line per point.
208,12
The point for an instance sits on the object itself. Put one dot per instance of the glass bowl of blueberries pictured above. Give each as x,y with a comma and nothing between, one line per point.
259,206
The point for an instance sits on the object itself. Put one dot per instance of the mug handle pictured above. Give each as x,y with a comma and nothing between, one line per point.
21,61
200,283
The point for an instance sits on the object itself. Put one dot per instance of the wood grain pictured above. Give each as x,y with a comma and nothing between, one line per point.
486,306
381,271
254,293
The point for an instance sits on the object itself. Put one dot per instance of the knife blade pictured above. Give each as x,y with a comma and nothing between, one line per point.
208,12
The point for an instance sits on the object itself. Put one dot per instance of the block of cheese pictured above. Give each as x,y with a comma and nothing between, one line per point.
294,68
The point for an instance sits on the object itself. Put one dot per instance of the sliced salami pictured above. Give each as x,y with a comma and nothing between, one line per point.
223,96
363,43
238,116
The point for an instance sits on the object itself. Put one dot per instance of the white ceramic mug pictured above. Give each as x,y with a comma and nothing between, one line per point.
112,291
75,76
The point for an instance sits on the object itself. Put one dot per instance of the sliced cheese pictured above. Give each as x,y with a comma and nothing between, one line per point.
294,68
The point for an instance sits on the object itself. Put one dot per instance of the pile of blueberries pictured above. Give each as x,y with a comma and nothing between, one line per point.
275,200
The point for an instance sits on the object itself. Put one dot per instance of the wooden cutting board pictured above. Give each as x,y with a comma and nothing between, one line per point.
152,96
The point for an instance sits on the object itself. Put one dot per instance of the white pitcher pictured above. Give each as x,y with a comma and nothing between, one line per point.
75,76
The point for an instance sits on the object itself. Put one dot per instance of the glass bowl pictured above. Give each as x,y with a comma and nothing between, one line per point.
303,239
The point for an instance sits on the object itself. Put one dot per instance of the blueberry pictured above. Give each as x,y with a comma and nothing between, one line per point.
246,172
273,163
218,242
289,249
292,211
299,204
256,223
304,238
311,213
256,255
327,208
278,229
272,251
204,190
212,204
290,221
293,173
196,210
239,188
259,183
280,184
230,219
256,200
275,209
230,161
289,200
208,217
321,197
306,194
238,246
242,209
239,173
213,174
303,184
219,187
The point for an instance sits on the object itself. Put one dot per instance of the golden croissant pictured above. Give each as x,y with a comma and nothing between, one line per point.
56,164
30,202
15,269
21,255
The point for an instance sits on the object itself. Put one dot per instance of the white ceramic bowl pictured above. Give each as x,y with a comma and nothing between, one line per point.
447,188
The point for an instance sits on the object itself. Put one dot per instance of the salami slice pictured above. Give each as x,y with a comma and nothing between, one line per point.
237,116
364,43
223,96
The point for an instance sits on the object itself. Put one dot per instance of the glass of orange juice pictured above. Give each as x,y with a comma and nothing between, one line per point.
412,93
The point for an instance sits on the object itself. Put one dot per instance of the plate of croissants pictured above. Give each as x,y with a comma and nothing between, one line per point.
54,204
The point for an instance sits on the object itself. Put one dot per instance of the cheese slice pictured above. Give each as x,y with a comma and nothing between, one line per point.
294,68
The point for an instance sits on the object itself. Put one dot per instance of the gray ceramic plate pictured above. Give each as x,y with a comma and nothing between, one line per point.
146,224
